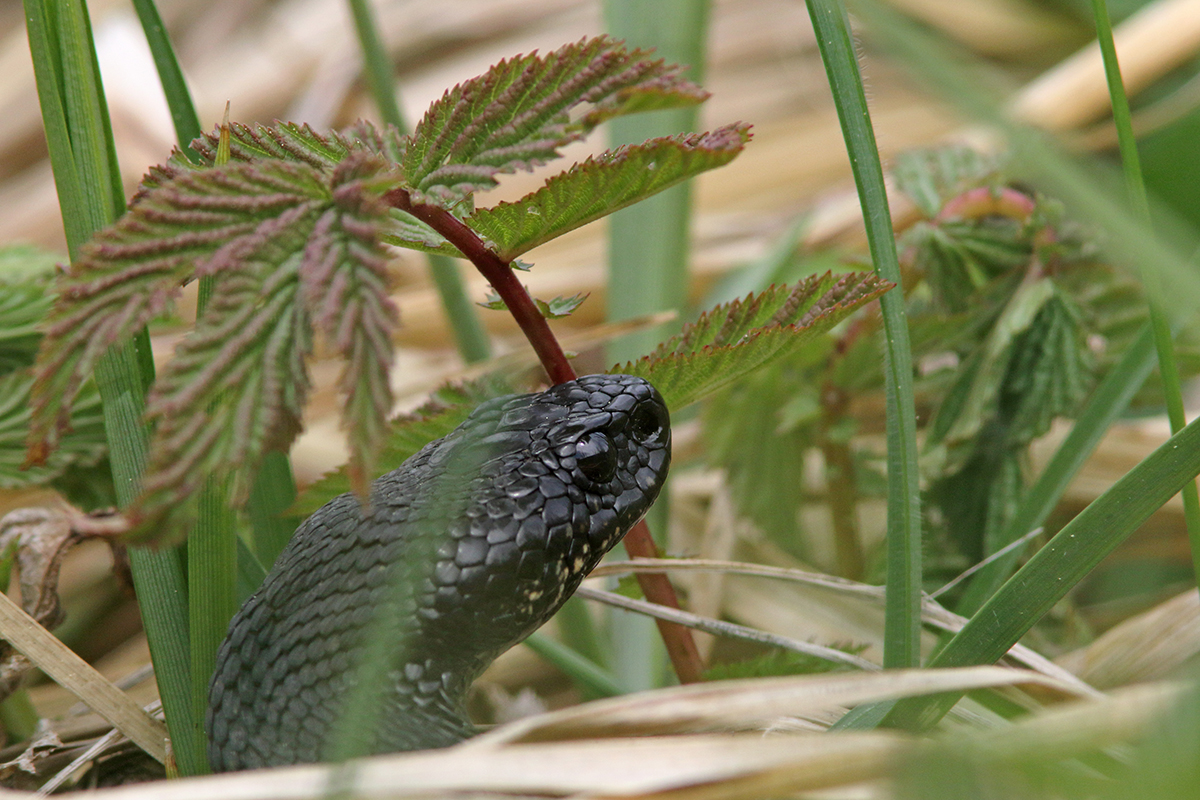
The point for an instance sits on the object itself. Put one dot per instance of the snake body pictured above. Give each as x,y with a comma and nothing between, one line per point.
472,543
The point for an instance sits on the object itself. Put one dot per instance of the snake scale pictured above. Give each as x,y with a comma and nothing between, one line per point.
473,542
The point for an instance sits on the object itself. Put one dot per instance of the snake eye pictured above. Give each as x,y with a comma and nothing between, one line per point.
596,457
648,422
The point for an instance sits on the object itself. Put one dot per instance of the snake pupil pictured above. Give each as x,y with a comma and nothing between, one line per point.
596,457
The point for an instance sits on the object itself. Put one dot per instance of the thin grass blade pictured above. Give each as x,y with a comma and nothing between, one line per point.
902,626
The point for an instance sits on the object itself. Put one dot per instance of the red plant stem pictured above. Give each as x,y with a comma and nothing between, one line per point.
681,647
500,275
680,644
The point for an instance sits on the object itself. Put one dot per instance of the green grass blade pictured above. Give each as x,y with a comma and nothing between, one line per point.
377,65
43,45
271,495
1136,186
1107,403
212,588
648,256
179,99
212,571
902,625
83,161
1062,563
593,680
469,334
158,575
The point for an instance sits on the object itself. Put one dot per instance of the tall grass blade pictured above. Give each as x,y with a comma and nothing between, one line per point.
1063,562
902,623
84,164
1136,186
179,99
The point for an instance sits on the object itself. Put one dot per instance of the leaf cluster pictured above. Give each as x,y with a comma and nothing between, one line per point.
293,229
1011,316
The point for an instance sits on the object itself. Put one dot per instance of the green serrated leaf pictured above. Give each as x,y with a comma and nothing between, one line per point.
26,297
1047,373
974,398
959,258
763,464
85,445
408,433
735,339
560,306
604,184
516,115
931,177
1051,372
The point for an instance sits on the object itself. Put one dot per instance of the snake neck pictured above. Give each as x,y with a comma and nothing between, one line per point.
463,551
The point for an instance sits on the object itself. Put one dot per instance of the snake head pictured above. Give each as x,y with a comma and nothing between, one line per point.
567,472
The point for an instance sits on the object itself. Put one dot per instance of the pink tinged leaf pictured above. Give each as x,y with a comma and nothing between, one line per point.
516,115
344,286
234,390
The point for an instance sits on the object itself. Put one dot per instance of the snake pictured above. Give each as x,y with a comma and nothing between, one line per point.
460,553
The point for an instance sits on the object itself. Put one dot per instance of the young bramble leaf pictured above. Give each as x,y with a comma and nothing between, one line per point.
561,307
516,116
604,184
283,141
235,388
557,308
734,339
931,177
85,445
292,247
974,398
493,302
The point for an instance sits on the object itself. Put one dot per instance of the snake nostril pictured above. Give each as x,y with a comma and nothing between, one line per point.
596,457
648,422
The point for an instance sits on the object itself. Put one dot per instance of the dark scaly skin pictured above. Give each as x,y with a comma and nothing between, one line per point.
486,532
